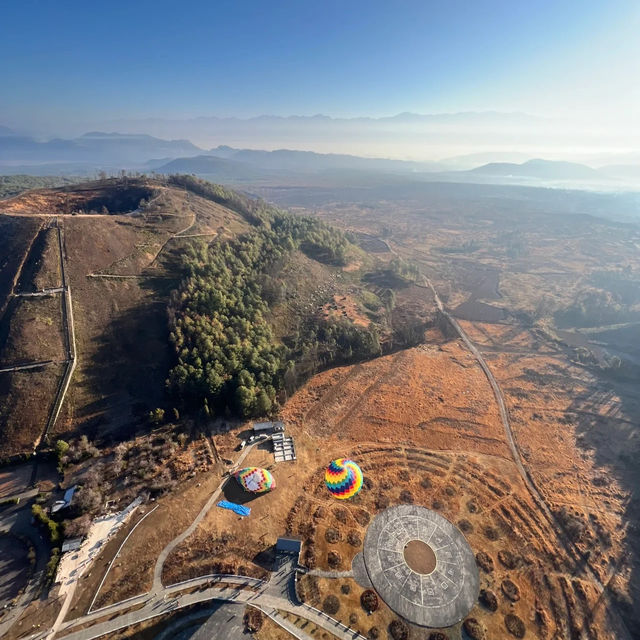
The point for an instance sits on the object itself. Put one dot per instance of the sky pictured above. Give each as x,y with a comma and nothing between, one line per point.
70,62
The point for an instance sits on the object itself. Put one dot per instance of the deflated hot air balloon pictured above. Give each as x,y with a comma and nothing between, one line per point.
255,480
343,478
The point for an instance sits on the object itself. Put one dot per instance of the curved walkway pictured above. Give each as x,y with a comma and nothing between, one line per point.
170,599
164,554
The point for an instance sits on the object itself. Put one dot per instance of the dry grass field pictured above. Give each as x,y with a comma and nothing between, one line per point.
423,423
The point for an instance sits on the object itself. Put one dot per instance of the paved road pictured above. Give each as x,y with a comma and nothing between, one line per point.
17,521
186,627
227,622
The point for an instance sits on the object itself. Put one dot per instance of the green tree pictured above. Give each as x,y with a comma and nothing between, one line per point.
61,448
263,404
156,417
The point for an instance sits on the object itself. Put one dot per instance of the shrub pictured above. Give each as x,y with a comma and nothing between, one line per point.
473,629
373,633
332,535
331,605
253,620
353,538
465,526
507,559
334,559
346,588
369,600
571,523
52,565
406,497
341,514
514,625
491,533
61,448
484,561
156,417
398,630
51,526
488,599
510,589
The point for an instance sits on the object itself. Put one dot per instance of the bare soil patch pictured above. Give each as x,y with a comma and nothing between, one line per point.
420,557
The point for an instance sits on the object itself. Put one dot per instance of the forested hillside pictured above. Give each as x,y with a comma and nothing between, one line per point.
227,357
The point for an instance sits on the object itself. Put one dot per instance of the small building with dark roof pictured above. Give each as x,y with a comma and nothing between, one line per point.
267,427
289,545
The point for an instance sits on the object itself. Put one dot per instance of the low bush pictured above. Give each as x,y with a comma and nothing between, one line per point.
331,605
398,630
369,601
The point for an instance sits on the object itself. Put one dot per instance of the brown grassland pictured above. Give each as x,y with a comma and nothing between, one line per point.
423,423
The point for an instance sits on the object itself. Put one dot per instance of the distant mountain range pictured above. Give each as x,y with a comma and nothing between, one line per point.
95,151
291,161
540,169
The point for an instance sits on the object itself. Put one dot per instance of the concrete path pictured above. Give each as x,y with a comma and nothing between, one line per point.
227,622
320,573
164,554
164,602
280,620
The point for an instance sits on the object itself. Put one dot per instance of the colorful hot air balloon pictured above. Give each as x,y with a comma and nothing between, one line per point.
343,478
255,480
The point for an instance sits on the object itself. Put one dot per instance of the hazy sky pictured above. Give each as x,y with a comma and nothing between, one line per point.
70,61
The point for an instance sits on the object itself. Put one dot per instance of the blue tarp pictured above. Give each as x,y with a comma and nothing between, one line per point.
236,508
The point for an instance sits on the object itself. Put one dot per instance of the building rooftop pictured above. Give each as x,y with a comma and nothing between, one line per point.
266,426
289,545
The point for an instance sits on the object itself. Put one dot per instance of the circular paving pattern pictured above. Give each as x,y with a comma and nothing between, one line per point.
421,566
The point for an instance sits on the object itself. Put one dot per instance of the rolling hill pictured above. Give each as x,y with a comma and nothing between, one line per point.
90,151
539,169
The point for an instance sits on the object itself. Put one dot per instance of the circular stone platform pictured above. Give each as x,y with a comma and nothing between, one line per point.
421,566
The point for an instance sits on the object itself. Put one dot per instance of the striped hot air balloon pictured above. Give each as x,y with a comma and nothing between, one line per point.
255,480
343,478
